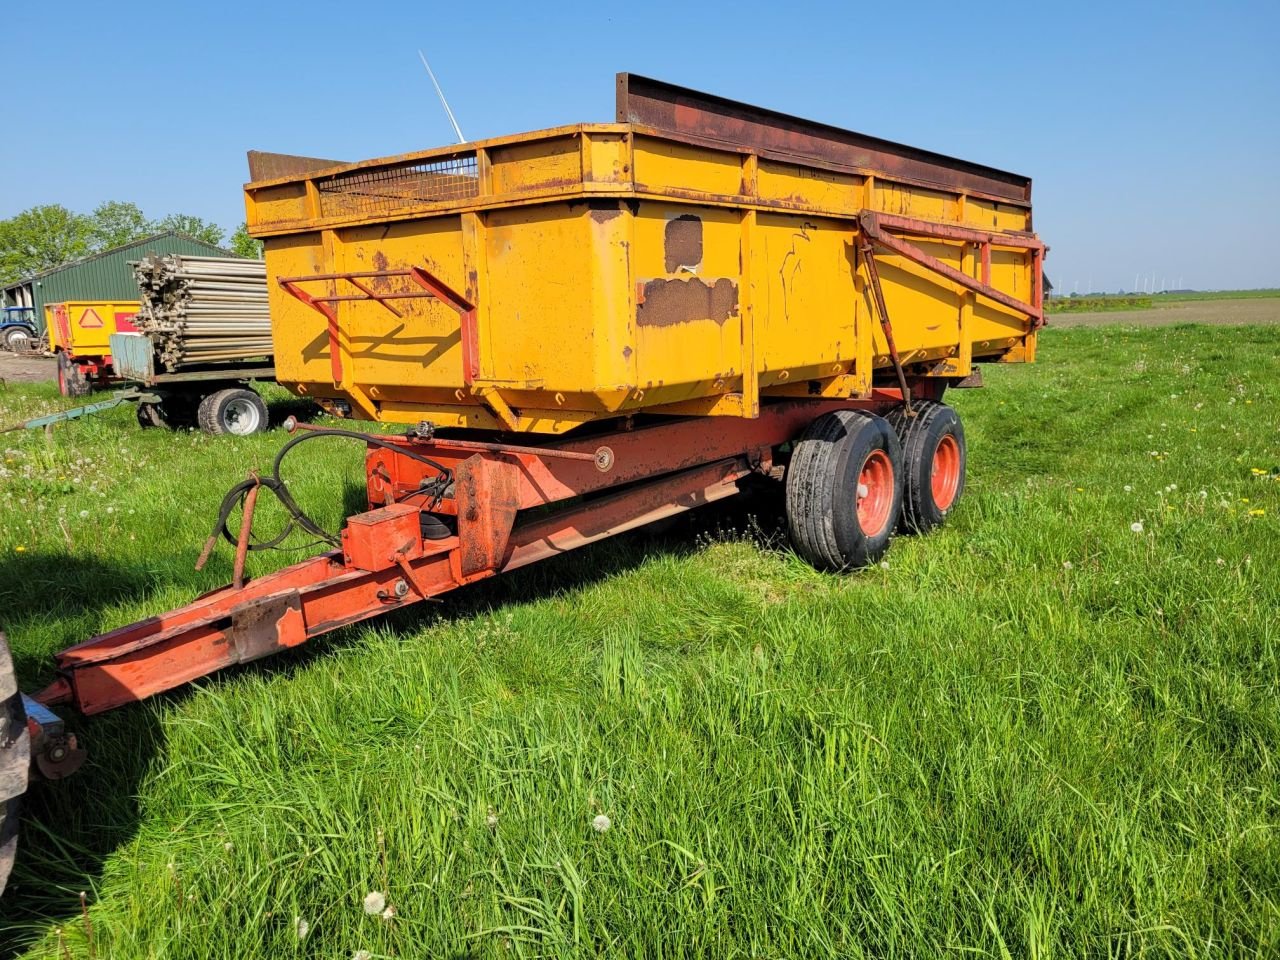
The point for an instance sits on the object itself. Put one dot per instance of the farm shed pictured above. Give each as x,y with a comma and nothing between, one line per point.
103,276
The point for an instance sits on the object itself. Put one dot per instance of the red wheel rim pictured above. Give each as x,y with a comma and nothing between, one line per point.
875,493
944,478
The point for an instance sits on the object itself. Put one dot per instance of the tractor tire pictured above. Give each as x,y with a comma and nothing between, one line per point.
844,490
17,339
236,411
71,379
935,455
15,761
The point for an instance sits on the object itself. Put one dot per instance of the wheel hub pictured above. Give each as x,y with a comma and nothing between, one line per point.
944,477
875,492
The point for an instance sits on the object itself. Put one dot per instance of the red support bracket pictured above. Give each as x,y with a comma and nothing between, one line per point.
874,229
432,288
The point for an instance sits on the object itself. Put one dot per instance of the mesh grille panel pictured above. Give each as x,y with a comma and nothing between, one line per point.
407,184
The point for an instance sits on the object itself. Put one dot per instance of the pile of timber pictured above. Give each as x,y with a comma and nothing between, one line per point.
202,310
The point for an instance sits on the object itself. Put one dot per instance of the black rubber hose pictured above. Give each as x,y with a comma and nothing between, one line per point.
298,517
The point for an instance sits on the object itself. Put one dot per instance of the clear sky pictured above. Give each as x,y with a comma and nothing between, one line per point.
1151,130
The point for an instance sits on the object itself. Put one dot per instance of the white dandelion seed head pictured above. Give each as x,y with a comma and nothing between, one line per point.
301,926
1136,526
374,902
884,564
1128,488
389,913
601,823
83,514
1067,565
491,821
362,955
1221,562
228,846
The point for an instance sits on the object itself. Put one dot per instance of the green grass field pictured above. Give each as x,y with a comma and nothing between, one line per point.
1049,730
1098,303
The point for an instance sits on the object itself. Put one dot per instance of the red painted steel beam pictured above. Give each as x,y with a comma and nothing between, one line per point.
911,252
386,563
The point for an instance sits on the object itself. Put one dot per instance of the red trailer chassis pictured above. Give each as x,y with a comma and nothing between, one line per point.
589,488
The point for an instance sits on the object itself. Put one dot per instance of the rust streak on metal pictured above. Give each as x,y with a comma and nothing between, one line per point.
678,110
661,303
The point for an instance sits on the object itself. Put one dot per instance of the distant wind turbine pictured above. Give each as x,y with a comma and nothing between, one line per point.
440,93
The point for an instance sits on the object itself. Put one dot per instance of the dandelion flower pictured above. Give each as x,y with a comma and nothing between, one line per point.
1221,562
1257,473
83,514
19,549
228,846
301,926
601,823
1136,526
1128,488
374,902
1259,512
884,564
1079,489
389,914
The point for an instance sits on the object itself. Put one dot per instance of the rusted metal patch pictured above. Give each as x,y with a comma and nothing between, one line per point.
662,303
682,243
262,627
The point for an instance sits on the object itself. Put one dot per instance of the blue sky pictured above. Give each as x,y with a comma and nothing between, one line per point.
1152,131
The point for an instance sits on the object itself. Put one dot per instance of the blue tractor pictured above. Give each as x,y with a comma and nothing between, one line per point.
18,329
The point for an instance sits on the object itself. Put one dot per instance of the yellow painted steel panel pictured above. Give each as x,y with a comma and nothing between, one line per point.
83,328
612,270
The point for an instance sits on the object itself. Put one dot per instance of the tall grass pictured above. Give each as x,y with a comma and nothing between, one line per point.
1048,730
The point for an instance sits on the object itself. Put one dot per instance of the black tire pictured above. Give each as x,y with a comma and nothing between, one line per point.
15,761
17,338
236,411
71,380
934,460
826,510
150,415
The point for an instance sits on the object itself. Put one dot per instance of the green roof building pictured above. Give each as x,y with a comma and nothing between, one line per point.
102,276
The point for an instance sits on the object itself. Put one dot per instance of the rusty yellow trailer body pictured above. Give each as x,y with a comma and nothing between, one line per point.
699,257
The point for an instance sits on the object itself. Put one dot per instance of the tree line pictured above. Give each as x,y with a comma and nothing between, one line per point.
50,235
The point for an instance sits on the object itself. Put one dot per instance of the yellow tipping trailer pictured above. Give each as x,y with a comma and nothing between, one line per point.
79,334
697,257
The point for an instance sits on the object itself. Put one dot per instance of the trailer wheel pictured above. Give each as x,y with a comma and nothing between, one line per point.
149,416
71,379
16,339
934,454
15,761
237,411
844,490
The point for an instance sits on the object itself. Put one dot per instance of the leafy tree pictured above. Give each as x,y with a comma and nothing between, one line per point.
193,227
116,222
244,245
42,238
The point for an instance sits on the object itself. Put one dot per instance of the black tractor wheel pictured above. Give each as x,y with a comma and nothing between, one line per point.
934,459
236,411
71,379
16,339
844,490
15,761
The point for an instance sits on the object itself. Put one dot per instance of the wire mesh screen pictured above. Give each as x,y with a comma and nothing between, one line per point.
406,184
